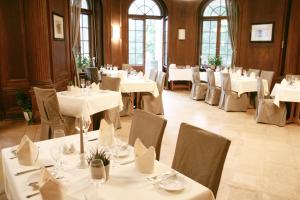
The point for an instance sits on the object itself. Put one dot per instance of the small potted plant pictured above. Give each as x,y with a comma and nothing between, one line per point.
215,61
24,101
82,62
102,155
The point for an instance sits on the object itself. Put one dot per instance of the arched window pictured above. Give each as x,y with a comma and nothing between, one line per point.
85,29
214,38
145,34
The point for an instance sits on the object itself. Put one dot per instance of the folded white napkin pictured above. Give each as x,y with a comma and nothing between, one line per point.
284,82
188,66
75,89
140,75
27,152
106,134
95,86
252,75
144,158
173,66
297,83
115,68
238,73
49,187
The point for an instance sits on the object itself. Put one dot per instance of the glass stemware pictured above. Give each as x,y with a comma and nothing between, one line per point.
82,82
56,154
85,126
98,173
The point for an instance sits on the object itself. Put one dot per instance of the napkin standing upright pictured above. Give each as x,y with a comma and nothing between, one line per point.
49,187
95,86
144,158
252,75
106,134
27,152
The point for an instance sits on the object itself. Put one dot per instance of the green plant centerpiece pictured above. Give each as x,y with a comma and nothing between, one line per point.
24,101
102,155
215,61
82,62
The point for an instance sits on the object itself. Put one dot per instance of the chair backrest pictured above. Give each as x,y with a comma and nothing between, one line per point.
210,78
92,74
47,104
256,71
195,75
153,74
200,155
260,89
225,82
149,128
110,83
127,67
289,76
160,81
267,75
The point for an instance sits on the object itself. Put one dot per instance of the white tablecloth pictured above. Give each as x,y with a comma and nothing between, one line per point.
240,85
85,105
285,93
180,74
125,182
139,85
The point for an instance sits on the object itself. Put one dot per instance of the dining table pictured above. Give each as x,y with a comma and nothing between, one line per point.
288,93
124,181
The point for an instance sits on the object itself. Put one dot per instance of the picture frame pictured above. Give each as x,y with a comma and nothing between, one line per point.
58,27
181,34
262,32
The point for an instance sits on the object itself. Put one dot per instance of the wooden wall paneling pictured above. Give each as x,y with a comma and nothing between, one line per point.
292,61
98,17
266,56
116,19
107,31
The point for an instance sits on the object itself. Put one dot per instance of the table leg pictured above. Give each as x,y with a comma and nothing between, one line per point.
172,85
291,117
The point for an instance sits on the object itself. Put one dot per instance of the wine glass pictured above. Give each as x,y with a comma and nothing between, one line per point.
82,82
56,154
98,173
88,86
86,122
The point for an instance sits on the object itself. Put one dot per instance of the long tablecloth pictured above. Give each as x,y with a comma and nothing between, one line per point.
125,182
180,74
86,104
139,85
286,93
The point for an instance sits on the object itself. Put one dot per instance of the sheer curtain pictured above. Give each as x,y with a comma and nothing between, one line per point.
75,10
233,23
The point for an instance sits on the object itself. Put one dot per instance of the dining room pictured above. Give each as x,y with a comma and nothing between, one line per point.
150,99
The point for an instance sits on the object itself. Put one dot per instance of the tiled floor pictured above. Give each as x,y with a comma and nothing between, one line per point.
263,162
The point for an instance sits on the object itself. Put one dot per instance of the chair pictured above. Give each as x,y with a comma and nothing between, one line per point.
289,76
267,75
199,89
112,115
213,93
52,122
200,155
127,67
153,104
92,74
238,68
229,100
149,128
267,112
256,71
153,74
127,104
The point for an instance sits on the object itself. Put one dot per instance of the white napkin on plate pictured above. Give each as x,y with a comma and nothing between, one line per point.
49,187
95,86
173,66
27,152
252,75
106,134
75,89
144,158
284,82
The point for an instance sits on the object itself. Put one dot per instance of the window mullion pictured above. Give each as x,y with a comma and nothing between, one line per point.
218,38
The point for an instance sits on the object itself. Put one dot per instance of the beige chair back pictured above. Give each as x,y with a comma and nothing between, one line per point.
211,79
289,76
267,75
260,89
149,128
49,112
92,74
195,75
110,83
200,155
153,74
256,71
225,88
127,67
160,80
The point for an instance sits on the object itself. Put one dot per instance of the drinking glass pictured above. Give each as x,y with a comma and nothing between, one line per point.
82,82
85,126
88,86
56,154
98,173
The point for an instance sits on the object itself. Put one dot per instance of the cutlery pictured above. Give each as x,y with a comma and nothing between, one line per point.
93,139
32,170
127,162
161,177
32,195
13,157
36,182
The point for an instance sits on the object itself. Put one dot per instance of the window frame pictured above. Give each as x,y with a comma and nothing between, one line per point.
203,18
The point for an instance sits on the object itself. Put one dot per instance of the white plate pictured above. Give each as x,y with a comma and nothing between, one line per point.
124,152
173,184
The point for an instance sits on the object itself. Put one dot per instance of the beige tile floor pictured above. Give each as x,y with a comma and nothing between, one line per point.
263,162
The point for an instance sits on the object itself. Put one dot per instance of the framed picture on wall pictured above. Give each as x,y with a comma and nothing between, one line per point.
58,26
262,32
